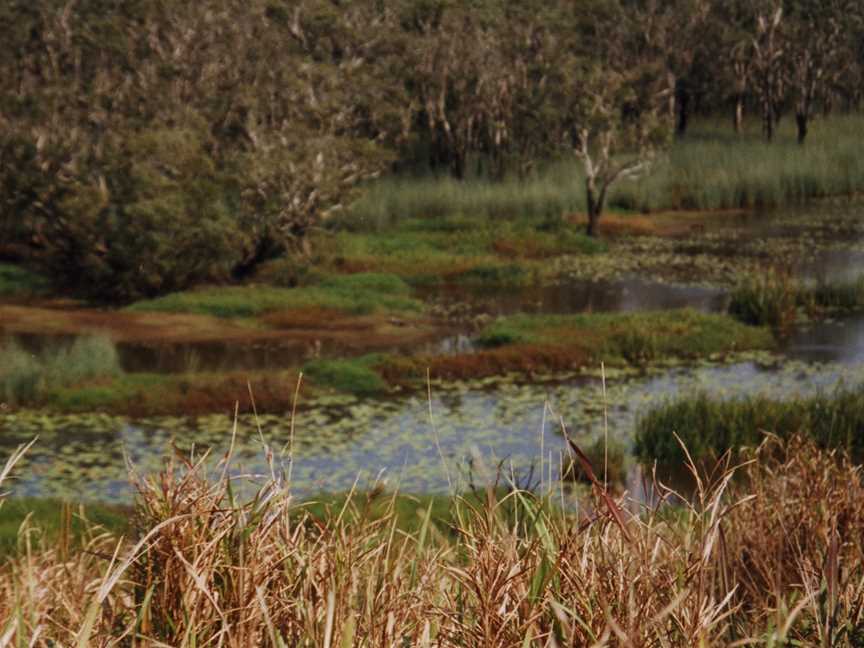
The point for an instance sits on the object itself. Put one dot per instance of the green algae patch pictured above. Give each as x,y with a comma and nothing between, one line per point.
630,337
360,293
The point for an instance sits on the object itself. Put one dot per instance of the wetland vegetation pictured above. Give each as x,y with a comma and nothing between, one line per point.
469,274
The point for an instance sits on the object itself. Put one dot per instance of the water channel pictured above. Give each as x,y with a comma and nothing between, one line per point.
465,431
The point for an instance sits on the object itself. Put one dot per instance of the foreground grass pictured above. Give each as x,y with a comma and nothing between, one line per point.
360,293
744,564
709,426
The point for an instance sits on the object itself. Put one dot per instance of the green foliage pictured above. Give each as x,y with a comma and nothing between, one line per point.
17,281
709,426
356,376
360,294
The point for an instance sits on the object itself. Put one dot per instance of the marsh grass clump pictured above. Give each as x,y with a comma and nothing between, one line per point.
777,300
608,457
774,555
769,299
27,376
709,426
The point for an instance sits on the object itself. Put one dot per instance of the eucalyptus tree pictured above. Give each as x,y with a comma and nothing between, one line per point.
151,145
820,49
619,125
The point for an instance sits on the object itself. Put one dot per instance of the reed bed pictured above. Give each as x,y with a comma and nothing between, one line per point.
771,558
27,376
711,168
710,426
778,300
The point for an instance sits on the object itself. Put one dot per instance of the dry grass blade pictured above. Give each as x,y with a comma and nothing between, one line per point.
611,506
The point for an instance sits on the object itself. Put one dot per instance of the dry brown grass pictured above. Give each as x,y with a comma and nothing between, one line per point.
666,224
771,558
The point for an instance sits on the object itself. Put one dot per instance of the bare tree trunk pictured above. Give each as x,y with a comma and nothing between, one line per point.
594,202
682,99
738,118
768,122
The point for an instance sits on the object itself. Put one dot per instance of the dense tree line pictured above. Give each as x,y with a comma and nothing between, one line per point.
146,145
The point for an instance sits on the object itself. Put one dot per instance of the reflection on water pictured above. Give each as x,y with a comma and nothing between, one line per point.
626,295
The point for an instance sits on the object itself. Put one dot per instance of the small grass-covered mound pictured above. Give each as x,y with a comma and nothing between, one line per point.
357,294
710,426
629,337
356,375
529,344
458,249
16,281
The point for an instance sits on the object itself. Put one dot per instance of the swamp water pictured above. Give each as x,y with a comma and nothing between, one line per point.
465,431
